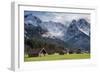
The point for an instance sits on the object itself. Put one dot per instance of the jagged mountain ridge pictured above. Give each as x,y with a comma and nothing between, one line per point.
76,34
55,29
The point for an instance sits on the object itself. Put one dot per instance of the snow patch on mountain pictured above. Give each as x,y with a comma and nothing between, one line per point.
55,29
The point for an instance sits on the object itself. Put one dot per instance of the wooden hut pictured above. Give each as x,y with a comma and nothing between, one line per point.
37,52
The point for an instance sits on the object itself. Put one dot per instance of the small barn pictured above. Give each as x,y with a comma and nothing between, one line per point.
37,52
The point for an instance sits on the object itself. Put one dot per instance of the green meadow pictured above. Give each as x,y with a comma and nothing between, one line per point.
57,57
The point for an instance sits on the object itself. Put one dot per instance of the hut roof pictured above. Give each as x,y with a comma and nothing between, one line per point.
36,51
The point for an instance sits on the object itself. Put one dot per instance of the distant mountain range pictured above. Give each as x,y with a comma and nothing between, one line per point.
76,35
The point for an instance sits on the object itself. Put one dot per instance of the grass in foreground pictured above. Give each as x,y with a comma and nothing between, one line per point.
57,57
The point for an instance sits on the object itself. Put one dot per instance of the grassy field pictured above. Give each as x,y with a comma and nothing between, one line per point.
57,57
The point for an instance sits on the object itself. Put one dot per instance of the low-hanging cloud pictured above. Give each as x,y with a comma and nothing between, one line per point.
62,17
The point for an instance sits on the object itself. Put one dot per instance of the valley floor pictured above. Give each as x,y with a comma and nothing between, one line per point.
57,57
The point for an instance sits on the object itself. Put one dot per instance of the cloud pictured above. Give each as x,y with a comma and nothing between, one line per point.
68,17
62,17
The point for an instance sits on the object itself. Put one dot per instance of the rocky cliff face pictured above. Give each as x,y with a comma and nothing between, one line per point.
77,35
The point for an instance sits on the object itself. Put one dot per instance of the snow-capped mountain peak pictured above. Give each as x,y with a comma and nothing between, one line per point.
31,19
55,29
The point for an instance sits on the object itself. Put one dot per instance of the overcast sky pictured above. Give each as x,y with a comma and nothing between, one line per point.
62,17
